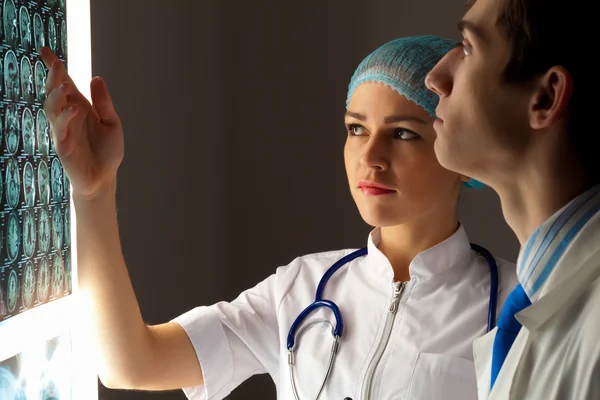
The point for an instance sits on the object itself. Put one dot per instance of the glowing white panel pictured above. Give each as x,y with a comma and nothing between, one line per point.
44,339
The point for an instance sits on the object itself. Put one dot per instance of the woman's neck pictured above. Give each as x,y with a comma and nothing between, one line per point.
402,243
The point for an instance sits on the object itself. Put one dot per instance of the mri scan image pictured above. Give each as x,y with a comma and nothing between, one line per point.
8,386
2,306
58,275
28,284
13,183
63,37
29,233
28,132
52,37
57,227
43,279
38,31
44,231
43,132
42,371
12,291
26,80
35,221
57,181
40,82
11,76
67,218
29,184
68,276
50,391
51,142
12,132
9,17
66,186
43,183
13,237
25,31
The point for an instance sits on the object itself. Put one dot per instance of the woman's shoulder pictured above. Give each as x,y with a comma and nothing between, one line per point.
507,279
315,262
306,271
325,256
504,266
310,267
508,271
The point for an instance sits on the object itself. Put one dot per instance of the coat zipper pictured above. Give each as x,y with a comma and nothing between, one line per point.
385,337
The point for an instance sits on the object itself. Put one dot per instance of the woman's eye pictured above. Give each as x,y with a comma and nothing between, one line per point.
356,130
406,134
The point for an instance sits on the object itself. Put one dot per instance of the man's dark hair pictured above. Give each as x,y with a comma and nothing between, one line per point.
547,33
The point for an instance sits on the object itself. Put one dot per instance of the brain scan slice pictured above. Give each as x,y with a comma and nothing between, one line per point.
43,132
58,275
25,28
13,183
12,291
9,20
13,237
57,181
28,284
43,182
29,233
11,76
44,231
12,131
43,280
40,82
38,31
57,227
28,132
26,80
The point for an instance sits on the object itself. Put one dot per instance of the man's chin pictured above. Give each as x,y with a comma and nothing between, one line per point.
448,159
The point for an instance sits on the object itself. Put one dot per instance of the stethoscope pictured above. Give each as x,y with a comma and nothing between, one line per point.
338,329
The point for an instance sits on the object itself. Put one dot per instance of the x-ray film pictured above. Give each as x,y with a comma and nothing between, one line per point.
35,267
43,372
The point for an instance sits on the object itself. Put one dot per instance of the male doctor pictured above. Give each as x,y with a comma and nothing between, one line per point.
517,112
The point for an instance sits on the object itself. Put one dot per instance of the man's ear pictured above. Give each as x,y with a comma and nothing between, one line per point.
551,97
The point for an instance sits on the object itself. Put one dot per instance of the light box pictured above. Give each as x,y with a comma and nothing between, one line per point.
44,348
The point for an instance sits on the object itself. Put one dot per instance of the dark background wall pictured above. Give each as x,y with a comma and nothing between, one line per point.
233,116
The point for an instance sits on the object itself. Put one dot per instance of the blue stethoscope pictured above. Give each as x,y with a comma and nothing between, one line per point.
338,329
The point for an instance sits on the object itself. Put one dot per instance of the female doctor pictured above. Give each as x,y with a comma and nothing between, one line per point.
396,320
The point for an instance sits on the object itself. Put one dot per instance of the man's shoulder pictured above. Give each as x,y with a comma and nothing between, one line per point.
586,308
576,324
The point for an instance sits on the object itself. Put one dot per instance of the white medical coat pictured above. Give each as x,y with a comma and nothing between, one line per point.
556,355
429,355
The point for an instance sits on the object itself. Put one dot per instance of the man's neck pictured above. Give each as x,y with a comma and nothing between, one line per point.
533,194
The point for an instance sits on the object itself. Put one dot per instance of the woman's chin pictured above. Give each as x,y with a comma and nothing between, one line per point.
380,217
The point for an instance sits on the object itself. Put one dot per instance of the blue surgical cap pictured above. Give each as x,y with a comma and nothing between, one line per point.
403,64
